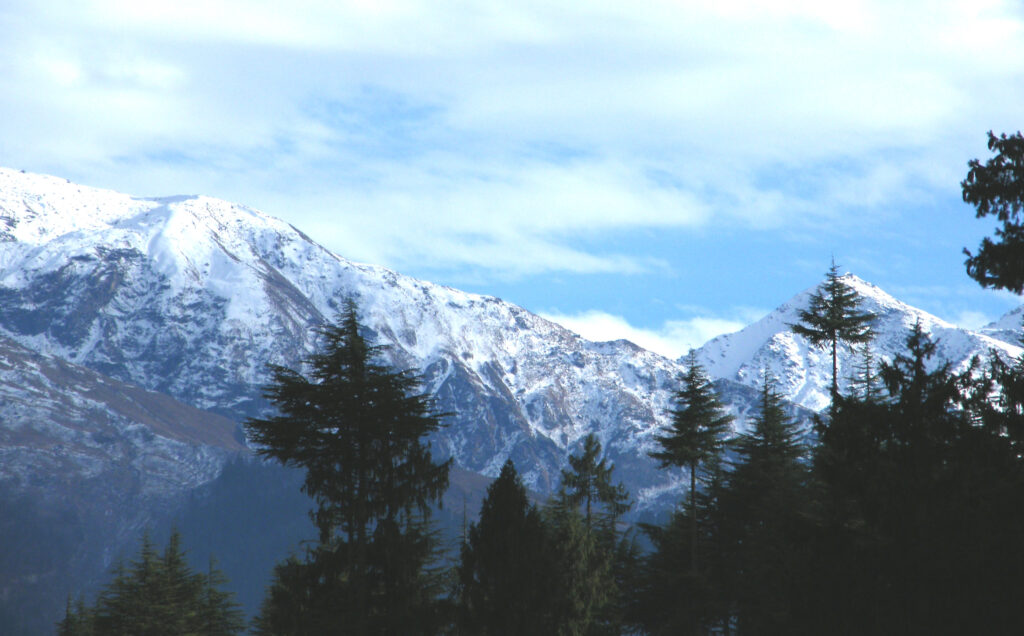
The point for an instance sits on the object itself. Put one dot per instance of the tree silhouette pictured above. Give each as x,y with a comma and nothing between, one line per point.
996,188
357,428
834,316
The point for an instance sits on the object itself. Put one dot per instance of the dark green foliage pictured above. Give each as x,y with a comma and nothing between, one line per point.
760,520
589,485
580,571
834,316
920,506
997,189
672,597
357,428
866,383
694,440
505,572
77,621
218,613
699,423
696,436
582,525
158,595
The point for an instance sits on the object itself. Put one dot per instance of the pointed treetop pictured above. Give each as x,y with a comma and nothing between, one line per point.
834,315
699,421
589,482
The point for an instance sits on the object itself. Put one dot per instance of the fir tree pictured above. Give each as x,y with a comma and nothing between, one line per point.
582,519
580,571
158,595
505,571
997,189
217,612
77,621
866,383
696,436
761,512
357,427
694,440
588,483
921,493
834,316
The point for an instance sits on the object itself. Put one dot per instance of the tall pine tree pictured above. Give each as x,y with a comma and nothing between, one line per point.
694,441
357,427
696,436
583,521
834,316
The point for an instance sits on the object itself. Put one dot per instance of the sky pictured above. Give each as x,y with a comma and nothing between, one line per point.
658,171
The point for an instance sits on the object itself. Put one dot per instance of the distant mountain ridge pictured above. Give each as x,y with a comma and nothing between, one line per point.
192,296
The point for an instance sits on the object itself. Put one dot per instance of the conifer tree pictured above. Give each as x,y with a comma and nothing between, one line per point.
77,621
217,612
357,427
834,316
582,519
158,595
996,188
696,436
761,511
694,440
505,571
921,492
580,571
865,383
589,484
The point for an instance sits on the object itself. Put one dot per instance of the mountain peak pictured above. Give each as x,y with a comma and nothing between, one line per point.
804,370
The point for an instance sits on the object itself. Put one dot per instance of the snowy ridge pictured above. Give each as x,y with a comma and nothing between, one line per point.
804,371
192,296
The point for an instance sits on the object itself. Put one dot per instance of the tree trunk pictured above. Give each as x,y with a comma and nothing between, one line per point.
693,518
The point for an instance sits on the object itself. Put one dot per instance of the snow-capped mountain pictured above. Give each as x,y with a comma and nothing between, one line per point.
192,296
1009,328
804,371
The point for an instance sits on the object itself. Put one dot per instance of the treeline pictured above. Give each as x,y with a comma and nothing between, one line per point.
157,594
900,512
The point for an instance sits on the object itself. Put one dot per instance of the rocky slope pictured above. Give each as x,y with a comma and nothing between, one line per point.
86,463
192,297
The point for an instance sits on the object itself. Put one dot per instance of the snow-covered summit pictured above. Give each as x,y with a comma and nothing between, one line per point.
804,371
193,296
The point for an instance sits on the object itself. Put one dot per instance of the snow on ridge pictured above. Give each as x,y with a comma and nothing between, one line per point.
235,288
804,371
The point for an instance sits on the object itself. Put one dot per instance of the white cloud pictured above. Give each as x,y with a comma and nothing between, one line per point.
673,339
512,135
972,319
